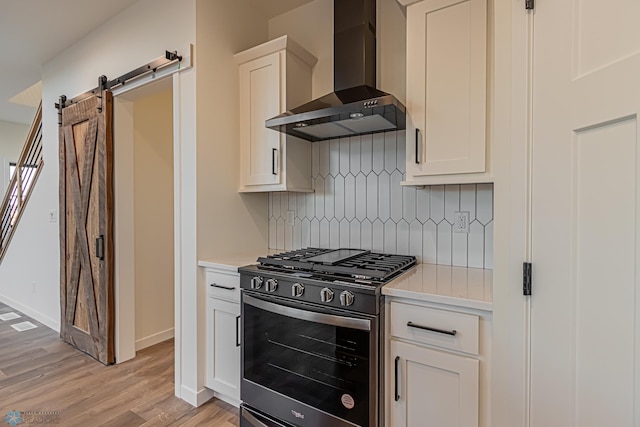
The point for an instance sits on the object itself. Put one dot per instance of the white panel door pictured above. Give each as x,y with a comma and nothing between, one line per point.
260,99
434,388
585,219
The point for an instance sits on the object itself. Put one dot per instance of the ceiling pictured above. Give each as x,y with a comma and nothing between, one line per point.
32,32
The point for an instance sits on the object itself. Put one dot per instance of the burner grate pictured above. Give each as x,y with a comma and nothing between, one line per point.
368,265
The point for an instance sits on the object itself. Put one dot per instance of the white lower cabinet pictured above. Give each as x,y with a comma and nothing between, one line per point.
223,335
433,388
437,370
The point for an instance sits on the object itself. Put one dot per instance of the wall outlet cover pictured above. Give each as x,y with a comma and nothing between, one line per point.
291,218
461,222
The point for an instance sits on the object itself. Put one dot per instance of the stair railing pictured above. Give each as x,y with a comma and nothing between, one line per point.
25,175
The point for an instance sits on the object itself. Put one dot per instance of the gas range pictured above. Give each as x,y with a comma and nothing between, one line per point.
340,278
312,334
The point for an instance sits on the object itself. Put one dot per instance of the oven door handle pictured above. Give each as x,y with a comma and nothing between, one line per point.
311,316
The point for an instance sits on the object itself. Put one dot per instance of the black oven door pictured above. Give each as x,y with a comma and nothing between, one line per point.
308,366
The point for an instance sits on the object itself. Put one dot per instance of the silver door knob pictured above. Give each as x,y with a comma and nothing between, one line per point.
346,298
326,295
297,289
256,282
271,285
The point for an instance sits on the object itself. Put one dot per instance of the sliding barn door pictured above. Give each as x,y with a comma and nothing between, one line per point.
86,227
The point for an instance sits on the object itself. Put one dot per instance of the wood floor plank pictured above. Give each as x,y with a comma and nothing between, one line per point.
39,372
128,419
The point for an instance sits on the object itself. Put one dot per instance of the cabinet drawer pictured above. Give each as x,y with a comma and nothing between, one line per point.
223,285
435,327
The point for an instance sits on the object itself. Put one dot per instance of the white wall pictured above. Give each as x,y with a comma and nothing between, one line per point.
153,217
12,139
227,222
311,25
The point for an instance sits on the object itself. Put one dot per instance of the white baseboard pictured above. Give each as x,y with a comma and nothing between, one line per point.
154,339
35,315
196,398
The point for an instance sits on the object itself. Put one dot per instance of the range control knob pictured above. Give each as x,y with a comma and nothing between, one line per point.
256,282
297,289
271,285
346,298
326,295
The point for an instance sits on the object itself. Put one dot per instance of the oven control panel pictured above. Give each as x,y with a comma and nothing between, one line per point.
323,293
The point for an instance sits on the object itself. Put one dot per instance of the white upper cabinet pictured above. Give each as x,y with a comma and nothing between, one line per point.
274,77
447,92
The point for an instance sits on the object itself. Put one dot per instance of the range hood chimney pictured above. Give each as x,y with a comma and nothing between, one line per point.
355,107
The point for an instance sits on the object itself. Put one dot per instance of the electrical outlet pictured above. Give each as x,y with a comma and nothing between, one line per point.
53,215
291,218
461,222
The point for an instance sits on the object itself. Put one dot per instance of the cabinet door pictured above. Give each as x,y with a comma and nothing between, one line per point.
223,350
446,87
260,99
430,388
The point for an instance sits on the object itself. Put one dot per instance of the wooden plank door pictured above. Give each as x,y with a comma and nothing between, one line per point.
86,228
585,304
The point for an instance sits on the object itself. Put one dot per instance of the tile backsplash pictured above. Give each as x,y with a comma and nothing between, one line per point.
359,203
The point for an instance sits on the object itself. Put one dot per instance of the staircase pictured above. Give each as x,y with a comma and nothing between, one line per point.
23,179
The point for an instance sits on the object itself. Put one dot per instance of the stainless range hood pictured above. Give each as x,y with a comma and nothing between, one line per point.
355,107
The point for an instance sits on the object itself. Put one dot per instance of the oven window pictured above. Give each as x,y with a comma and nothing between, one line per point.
324,366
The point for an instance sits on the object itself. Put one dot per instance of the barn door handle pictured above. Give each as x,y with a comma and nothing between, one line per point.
417,146
237,331
100,247
397,392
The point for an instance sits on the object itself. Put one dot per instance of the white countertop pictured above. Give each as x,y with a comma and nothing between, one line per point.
231,262
459,286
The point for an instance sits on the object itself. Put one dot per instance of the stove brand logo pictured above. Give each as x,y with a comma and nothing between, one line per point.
297,414
13,418
347,401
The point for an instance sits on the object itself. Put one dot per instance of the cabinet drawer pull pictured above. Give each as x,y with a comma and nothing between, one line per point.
226,288
426,328
237,331
417,146
397,391
274,154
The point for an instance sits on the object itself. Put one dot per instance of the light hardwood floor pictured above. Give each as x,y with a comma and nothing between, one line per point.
39,372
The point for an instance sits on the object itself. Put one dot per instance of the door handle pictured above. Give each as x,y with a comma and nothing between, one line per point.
237,332
397,372
274,154
100,247
417,146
